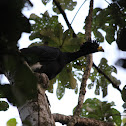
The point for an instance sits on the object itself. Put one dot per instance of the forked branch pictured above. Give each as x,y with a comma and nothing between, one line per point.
80,121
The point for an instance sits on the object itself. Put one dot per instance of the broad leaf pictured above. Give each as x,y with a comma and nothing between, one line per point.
94,108
51,33
22,81
11,122
100,80
107,20
45,1
124,94
116,116
65,4
60,90
3,106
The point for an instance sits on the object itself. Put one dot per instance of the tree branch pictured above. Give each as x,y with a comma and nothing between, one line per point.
71,120
64,16
89,63
37,110
80,121
106,76
69,25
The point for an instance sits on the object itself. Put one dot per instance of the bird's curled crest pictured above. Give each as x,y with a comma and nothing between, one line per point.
93,46
89,43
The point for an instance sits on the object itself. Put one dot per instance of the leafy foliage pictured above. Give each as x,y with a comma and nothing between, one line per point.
108,19
51,32
65,80
100,80
122,3
11,29
3,106
22,80
12,64
65,4
94,108
124,105
11,122
121,39
45,1
124,94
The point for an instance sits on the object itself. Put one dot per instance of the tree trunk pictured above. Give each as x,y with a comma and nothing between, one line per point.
37,112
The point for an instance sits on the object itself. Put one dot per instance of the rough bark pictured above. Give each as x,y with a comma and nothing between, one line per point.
37,112
80,121
89,64
86,74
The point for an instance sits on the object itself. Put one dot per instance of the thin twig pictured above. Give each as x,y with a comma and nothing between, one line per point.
107,77
64,16
107,2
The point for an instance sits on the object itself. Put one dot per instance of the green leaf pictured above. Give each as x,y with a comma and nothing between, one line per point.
79,64
70,44
3,106
110,34
60,90
11,122
99,37
76,89
66,80
116,117
97,90
48,29
96,10
65,4
45,1
107,20
66,77
121,39
23,81
90,86
100,80
94,108
124,94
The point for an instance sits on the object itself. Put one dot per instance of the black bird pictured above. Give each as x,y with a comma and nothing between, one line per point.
50,60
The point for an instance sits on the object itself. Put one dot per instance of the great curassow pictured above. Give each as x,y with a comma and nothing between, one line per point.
50,60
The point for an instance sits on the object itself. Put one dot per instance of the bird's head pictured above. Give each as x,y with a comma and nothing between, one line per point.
91,47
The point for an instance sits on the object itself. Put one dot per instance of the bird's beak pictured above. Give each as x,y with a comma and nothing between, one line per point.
100,49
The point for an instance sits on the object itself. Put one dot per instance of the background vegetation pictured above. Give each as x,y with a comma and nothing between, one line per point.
46,27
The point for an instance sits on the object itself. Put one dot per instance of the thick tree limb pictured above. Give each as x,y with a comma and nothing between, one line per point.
37,111
80,121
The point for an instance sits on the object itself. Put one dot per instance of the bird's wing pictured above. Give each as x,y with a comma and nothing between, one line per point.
43,54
